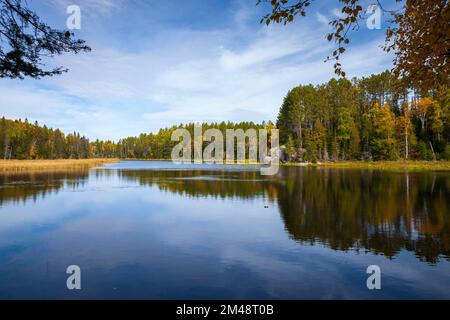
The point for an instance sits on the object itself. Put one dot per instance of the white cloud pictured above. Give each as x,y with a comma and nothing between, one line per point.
269,47
322,19
184,75
91,7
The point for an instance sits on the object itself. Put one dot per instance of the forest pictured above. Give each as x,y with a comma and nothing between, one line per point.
26,141
23,140
359,119
365,119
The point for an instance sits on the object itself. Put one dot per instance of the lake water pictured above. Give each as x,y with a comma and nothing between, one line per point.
153,230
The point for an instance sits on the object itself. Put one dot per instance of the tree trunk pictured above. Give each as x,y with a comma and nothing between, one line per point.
432,150
300,135
5,151
406,143
422,122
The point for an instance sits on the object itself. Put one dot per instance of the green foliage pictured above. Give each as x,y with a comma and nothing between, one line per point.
446,153
341,120
423,151
22,140
366,118
159,145
384,149
384,144
290,147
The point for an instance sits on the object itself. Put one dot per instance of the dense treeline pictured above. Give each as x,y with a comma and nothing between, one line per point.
362,119
365,119
23,140
159,145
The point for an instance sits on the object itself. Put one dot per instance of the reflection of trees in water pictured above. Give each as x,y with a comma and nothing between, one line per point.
201,183
344,209
21,187
377,211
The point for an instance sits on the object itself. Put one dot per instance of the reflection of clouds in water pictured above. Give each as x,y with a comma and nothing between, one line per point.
20,187
217,234
343,209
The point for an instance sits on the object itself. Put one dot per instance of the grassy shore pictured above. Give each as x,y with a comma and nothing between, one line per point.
372,165
43,165
73,164
389,165
400,165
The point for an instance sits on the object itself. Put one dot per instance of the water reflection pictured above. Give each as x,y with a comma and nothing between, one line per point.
383,212
22,187
377,211
344,209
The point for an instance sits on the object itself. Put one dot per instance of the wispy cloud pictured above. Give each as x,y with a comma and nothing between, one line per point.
235,71
322,19
90,7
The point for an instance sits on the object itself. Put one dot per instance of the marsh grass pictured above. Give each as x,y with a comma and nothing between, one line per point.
389,165
375,165
43,165
75,164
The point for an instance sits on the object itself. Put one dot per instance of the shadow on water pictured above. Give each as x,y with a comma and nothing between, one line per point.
380,212
23,187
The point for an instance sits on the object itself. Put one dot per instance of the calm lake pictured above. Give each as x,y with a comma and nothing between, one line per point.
154,230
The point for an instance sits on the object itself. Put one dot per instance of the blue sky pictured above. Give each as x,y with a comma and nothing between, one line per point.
159,63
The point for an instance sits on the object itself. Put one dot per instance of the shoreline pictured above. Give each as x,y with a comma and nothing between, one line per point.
77,164
400,165
8,166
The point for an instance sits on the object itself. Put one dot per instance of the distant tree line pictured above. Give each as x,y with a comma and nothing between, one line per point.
361,119
367,119
23,140
159,145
